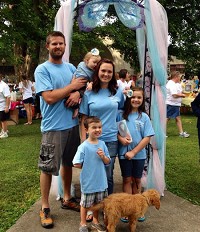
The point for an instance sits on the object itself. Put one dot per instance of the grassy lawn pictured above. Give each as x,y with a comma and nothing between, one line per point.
19,179
182,161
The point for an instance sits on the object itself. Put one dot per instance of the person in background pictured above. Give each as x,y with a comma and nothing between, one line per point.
139,81
132,152
37,107
104,101
26,88
130,81
4,107
92,153
173,101
60,132
122,83
196,110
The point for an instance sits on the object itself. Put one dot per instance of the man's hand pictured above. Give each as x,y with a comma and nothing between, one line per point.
78,83
73,99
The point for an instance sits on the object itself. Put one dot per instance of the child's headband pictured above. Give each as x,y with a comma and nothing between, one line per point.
95,52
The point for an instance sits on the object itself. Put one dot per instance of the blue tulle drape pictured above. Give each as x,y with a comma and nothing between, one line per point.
91,13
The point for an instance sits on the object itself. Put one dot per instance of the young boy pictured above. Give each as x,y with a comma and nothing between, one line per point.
92,156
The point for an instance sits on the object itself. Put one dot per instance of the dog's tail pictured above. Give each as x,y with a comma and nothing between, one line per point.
97,206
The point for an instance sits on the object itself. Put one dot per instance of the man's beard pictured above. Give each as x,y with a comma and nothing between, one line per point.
56,56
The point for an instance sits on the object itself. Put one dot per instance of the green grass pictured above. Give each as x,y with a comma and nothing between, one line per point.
182,161
19,179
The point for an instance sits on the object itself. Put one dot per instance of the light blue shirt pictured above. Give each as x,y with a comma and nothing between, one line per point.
49,76
93,173
84,71
105,107
139,128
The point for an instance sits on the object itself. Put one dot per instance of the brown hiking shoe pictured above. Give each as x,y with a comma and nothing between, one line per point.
45,218
72,204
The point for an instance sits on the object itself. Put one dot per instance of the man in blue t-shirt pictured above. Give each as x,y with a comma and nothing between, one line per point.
60,132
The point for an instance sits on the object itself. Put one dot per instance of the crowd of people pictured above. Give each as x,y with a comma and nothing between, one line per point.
89,140
21,94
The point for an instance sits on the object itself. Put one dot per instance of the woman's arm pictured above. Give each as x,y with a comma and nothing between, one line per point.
7,104
32,88
82,129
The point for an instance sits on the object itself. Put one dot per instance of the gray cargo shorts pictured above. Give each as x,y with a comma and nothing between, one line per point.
58,147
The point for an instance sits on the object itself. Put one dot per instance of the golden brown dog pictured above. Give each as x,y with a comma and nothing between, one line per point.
119,205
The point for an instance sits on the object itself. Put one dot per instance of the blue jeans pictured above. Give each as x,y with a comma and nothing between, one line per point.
112,149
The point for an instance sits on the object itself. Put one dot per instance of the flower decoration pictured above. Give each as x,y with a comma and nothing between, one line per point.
129,93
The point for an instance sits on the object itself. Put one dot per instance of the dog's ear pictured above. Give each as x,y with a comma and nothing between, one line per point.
156,202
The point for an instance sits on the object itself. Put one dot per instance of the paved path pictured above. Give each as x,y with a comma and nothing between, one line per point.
175,215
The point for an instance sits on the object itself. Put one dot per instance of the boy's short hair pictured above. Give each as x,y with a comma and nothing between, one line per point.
90,120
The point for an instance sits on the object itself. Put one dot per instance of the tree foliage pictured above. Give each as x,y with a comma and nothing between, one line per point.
25,23
184,31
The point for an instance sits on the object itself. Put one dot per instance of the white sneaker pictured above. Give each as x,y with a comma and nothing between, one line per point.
4,135
184,134
2,131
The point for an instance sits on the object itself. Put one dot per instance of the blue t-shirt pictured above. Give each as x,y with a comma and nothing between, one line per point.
105,107
50,76
93,174
84,71
139,128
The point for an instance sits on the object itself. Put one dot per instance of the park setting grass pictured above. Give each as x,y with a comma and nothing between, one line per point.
19,179
182,161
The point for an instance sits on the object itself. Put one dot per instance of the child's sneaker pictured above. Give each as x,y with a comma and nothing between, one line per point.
3,135
45,218
72,204
83,228
184,134
141,219
99,227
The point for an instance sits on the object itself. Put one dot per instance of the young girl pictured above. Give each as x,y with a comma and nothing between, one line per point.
85,69
132,154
